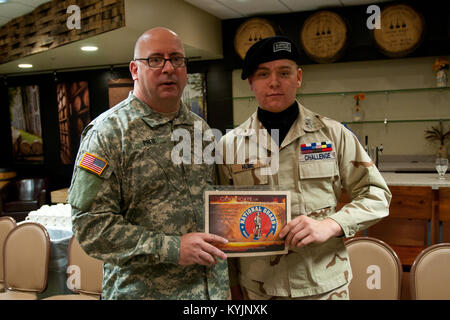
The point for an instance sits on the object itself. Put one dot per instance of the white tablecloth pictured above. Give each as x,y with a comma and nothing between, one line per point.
57,277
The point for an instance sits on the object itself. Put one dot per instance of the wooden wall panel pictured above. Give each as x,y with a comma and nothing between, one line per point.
45,27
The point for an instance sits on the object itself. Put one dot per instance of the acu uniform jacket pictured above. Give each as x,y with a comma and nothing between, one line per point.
132,213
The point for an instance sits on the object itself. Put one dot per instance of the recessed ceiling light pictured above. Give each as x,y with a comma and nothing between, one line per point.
89,48
25,65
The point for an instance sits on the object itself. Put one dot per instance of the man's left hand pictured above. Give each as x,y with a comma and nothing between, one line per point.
303,230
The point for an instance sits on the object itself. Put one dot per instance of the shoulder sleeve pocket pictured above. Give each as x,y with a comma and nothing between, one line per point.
85,187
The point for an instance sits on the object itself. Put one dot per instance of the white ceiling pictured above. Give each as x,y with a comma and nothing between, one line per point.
223,9
230,9
68,56
16,8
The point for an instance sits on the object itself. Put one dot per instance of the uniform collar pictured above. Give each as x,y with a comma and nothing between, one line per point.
307,121
154,118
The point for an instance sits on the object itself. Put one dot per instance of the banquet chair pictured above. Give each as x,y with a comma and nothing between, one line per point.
26,255
411,225
377,270
6,225
86,281
430,274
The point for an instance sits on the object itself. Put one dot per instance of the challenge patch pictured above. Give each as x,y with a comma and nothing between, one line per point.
92,163
316,147
318,156
257,221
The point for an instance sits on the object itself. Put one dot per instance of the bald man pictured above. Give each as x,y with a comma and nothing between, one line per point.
132,206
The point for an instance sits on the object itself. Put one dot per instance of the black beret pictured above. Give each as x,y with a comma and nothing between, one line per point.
268,49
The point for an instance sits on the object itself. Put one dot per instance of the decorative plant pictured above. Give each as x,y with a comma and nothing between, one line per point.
357,112
438,133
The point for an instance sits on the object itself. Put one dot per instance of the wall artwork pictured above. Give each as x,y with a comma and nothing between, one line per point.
194,94
26,127
118,90
73,117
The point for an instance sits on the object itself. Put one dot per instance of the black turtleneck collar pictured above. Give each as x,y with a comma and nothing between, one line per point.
279,120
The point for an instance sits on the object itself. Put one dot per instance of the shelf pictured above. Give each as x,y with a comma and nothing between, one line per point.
344,93
394,121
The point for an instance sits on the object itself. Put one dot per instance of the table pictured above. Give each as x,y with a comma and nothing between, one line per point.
416,179
59,196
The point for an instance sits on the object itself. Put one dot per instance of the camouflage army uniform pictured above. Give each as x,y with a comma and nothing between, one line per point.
134,213
315,184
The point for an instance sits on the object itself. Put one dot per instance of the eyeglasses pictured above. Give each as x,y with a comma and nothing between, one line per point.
160,62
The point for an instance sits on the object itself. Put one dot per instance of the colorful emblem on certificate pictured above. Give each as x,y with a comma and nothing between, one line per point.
250,220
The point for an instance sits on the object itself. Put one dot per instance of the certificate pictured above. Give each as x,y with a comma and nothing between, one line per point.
250,220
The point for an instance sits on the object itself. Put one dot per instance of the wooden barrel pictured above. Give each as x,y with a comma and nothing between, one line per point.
250,32
401,32
324,36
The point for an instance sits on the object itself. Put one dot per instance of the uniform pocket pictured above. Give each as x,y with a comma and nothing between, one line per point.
316,184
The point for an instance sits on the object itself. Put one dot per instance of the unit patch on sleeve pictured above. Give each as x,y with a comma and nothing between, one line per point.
92,163
316,151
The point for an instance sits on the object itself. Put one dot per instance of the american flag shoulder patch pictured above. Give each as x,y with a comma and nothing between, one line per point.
92,163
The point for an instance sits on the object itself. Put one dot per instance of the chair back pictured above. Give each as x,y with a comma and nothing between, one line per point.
89,270
6,225
444,212
26,255
430,274
377,271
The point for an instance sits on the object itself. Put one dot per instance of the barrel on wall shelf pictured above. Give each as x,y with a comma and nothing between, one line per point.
401,32
250,32
324,36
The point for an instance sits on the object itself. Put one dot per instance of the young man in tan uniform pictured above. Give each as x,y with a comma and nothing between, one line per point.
317,157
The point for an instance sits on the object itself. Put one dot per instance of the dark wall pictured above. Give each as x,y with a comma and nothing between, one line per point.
218,101
58,174
361,45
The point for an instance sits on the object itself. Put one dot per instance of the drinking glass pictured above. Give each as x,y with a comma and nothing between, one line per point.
441,167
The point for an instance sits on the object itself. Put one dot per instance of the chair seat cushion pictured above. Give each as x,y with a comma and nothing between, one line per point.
17,295
71,297
15,206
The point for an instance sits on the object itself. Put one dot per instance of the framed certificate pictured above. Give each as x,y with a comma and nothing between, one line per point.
250,220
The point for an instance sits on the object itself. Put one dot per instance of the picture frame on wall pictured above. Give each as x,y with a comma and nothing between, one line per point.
118,90
26,128
73,117
194,94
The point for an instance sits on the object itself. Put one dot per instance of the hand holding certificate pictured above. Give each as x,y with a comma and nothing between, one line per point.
250,220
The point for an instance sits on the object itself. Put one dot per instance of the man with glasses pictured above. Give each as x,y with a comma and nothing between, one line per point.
135,209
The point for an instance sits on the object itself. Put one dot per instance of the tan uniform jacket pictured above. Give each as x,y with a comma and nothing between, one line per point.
315,181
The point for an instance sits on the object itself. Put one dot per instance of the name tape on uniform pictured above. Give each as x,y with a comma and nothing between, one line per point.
318,156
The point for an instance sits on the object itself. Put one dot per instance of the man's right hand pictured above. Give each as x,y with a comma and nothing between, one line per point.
196,248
